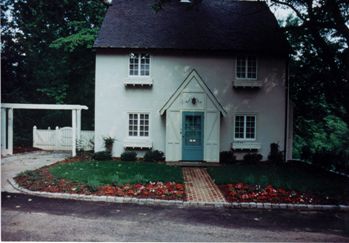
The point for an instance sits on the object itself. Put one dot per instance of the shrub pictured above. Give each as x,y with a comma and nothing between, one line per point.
128,156
154,156
31,174
103,155
227,157
108,144
331,160
93,184
275,155
306,153
252,158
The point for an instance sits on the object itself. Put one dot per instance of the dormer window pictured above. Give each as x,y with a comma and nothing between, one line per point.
246,67
139,64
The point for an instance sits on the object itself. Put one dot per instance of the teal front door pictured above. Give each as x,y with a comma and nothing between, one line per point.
193,136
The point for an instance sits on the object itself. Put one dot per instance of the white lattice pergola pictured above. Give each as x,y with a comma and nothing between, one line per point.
7,132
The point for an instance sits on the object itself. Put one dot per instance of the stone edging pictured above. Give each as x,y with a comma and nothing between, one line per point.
339,173
142,201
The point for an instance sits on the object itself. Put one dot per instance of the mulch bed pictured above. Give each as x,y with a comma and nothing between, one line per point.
241,192
42,180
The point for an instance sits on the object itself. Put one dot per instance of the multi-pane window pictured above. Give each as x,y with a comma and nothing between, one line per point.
245,127
246,67
139,64
138,125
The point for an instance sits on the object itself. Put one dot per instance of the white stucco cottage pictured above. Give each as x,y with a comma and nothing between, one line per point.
192,81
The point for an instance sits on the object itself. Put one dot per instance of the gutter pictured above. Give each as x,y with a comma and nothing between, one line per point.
286,107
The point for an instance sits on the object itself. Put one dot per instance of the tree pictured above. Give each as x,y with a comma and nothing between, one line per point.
319,35
47,56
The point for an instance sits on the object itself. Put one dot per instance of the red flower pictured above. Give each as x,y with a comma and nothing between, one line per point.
239,186
180,187
138,186
130,192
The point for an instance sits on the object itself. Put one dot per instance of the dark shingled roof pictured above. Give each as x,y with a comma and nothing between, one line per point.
221,25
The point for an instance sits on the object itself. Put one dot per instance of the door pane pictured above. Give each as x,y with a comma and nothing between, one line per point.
193,130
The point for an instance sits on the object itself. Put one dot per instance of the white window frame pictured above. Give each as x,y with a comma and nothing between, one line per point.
139,64
138,124
246,67
245,123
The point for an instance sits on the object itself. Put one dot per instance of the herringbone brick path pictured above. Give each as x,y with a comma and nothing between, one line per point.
200,187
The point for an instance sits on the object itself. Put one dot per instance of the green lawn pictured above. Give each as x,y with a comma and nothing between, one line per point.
294,176
115,172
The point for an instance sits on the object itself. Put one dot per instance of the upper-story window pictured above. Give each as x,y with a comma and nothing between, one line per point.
246,67
245,127
139,64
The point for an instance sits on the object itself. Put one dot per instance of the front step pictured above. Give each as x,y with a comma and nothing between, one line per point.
193,164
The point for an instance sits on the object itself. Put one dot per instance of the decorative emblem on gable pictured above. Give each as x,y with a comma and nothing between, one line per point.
193,100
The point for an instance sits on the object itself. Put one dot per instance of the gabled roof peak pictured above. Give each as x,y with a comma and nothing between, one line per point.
193,75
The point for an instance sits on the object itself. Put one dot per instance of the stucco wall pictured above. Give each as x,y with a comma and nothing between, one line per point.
113,100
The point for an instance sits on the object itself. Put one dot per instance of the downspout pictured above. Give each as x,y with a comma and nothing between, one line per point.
286,107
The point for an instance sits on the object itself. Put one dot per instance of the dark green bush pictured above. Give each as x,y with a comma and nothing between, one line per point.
275,155
227,157
331,160
154,156
252,158
306,153
93,184
103,155
129,156
342,163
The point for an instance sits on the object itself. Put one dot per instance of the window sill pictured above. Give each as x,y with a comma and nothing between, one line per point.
245,145
247,83
138,142
138,81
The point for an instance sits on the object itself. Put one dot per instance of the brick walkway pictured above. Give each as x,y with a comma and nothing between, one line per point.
200,187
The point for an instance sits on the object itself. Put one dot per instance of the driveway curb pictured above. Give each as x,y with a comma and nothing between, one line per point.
141,201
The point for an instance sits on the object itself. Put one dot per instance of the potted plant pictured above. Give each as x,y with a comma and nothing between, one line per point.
108,144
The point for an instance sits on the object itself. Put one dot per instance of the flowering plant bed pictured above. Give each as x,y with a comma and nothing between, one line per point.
44,180
158,190
284,183
241,192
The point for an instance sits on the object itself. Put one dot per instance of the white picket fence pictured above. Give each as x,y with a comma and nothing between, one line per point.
61,139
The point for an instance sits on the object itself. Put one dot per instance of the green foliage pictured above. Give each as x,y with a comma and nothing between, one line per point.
129,156
275,155
227,157
47,57
84,37
319,76
329,134
31,174
154,156
252,158
102,155
116,172
58,93
93,183
108,144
